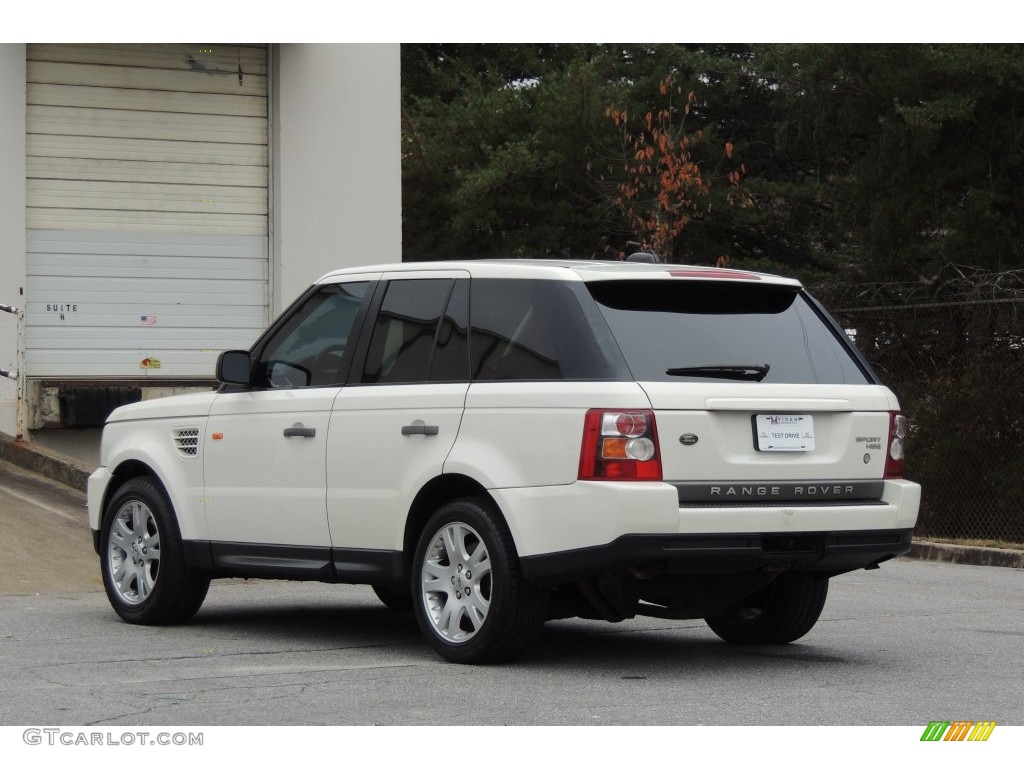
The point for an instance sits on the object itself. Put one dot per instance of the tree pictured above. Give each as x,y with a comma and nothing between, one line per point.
664,186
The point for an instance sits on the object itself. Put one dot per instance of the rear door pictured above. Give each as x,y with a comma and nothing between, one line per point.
393,426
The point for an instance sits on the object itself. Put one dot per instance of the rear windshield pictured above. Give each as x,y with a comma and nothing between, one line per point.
694,331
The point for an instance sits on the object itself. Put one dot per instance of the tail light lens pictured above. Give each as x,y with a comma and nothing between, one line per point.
619,445
897,435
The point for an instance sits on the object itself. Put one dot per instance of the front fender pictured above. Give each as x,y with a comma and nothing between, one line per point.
151,444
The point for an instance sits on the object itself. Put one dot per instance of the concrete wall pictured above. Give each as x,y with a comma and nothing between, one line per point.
336,161
12,219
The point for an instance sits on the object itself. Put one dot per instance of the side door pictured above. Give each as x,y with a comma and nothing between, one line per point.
394,425
265,459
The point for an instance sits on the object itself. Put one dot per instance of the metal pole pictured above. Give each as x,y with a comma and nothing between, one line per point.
22,407
19,373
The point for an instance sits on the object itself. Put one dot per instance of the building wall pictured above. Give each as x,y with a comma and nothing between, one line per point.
12,219
337,174
335,189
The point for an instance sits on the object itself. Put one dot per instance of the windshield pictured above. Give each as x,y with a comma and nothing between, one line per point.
693,331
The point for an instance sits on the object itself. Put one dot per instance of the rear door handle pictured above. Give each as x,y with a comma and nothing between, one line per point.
419,429
299,431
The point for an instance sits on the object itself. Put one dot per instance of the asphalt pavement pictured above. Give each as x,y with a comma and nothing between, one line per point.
906,644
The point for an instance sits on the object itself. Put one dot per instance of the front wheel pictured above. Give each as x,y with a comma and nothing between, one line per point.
143,561
471,601
782,612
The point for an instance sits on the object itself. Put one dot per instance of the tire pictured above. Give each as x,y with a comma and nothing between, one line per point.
395,599
782,612
471,601
142,558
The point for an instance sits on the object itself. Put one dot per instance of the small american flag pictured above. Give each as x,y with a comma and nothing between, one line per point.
148,319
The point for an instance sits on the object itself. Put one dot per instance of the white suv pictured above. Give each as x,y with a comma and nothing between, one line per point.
499,443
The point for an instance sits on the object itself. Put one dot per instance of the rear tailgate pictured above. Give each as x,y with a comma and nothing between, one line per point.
712,437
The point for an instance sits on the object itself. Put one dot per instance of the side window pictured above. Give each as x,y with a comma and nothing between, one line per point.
510,338
537,330
411,330
451,352
311,349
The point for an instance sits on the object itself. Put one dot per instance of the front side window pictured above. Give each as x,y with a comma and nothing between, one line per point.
311,348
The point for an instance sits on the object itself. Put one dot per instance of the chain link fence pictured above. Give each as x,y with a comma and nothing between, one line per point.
958,368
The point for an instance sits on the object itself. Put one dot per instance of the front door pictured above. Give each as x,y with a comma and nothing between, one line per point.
266,444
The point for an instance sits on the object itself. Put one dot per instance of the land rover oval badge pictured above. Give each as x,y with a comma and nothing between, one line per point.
688,439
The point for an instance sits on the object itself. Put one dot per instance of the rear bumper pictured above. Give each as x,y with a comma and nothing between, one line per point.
829,553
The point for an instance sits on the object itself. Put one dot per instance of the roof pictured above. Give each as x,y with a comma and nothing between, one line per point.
562,270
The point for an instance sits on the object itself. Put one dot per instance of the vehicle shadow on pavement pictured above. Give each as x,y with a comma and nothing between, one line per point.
586,645
677,645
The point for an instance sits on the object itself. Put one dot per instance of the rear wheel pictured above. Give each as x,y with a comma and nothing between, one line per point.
470,598
143,561
782,612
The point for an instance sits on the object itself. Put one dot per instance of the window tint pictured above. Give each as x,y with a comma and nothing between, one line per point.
402,344
311,348
539,329
451,352
685,325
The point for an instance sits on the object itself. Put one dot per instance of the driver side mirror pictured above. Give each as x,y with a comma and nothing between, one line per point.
233,367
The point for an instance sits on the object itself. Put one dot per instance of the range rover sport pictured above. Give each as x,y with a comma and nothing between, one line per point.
495,444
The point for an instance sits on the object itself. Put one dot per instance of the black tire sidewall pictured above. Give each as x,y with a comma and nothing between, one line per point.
174,586
492,641
791,607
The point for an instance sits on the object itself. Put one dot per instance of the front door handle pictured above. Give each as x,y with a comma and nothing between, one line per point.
419,429
297,430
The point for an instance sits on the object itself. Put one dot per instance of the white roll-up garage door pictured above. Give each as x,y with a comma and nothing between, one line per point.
147,208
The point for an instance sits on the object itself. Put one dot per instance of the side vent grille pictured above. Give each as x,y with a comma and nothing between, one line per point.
186,440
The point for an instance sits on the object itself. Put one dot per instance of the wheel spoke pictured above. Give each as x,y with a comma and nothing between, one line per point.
482,569
436,571
479,602
476,615
452,544
444,619
120,531
138,512
146,582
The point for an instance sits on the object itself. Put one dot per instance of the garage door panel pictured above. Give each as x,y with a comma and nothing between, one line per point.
184,56
150,221
147,150
44,94
86,169
200,80
105,195
129,124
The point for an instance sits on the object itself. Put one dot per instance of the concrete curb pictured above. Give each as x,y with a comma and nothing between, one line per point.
44,462
955,553
72,473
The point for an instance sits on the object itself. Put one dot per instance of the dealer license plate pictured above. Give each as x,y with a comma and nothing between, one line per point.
784,432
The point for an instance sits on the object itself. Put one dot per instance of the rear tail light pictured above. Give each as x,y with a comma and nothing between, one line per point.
897,435
619,445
